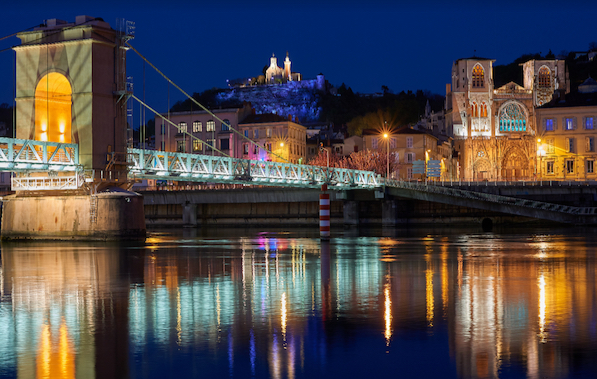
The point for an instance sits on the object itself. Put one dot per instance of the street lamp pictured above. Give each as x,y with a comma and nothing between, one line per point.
386,136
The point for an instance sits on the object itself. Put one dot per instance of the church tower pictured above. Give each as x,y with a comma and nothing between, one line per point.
287,72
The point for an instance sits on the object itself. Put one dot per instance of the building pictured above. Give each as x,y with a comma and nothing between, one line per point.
408,145
567,134
274,138
197,131
494,128
275,74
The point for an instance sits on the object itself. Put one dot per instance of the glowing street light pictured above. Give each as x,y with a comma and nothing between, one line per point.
386,136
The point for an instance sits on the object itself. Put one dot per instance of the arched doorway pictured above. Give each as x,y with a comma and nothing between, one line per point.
482,169
53,102
515,165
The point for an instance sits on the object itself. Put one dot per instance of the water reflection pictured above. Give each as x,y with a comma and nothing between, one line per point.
282,306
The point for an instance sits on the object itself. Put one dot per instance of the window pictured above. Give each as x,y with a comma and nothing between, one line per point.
474,110
209,144
256,133
409,173
268,132
589,166
182,127
225,144
255,149
569,167
512,118
549,167
570,145
374,143
338,149
396,157
550,146
311,150
226,125
197,145
589,144
483,110
246,133
589,123
478,76
197,127
268,146
180,146
543,77
569,123
245,148
409,142
549,124
392,143
410,157
210,126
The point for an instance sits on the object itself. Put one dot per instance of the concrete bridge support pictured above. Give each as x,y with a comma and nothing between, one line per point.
189,215
351,212
389,213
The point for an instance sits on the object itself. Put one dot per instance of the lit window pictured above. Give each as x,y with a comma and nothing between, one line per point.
478,76
570,167
549,167
512,118
210,126
569,123
197,145
268,132
245,148
589,166
589,123
197,126
549,124
226,125
409,142
544,77
182,127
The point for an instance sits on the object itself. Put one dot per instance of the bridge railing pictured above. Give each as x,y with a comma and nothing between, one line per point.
206,168
27,155
505,200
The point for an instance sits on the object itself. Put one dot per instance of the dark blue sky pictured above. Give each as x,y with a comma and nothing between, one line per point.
365,44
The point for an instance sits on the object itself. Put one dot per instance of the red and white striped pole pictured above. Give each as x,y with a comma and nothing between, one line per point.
324,213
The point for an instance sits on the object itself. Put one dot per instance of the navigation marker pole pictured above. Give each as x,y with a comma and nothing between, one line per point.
324,213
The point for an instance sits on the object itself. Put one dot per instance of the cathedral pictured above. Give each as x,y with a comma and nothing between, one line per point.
495,131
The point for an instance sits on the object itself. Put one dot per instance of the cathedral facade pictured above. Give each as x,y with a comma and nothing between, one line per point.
494,128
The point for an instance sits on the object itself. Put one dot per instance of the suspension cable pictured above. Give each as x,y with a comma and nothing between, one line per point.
180,130
201,105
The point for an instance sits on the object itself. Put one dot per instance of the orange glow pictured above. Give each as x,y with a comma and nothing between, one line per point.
55,359
53,101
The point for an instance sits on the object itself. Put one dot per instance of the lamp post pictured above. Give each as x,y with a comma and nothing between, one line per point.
386,136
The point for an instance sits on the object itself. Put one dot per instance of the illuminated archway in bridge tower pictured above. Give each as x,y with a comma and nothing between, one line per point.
53,102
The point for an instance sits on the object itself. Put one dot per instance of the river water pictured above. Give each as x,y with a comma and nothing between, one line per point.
249,303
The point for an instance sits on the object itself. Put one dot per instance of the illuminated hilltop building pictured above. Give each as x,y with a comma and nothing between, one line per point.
494,128
275,74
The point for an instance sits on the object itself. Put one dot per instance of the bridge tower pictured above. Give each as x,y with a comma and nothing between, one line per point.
71,89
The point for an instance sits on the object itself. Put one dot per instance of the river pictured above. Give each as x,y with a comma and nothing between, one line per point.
248,303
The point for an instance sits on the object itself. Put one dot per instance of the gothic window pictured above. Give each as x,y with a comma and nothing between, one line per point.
483,110
478,76
474,110
544,77
512,118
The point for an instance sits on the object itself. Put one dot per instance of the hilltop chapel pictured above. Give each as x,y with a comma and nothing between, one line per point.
494,128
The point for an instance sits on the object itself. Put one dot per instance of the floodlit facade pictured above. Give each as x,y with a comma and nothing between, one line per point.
197,131
567,136
494,128
275,139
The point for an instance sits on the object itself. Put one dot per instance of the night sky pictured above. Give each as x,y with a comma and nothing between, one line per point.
365,44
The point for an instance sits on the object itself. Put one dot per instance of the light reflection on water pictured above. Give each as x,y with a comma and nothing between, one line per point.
285,305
